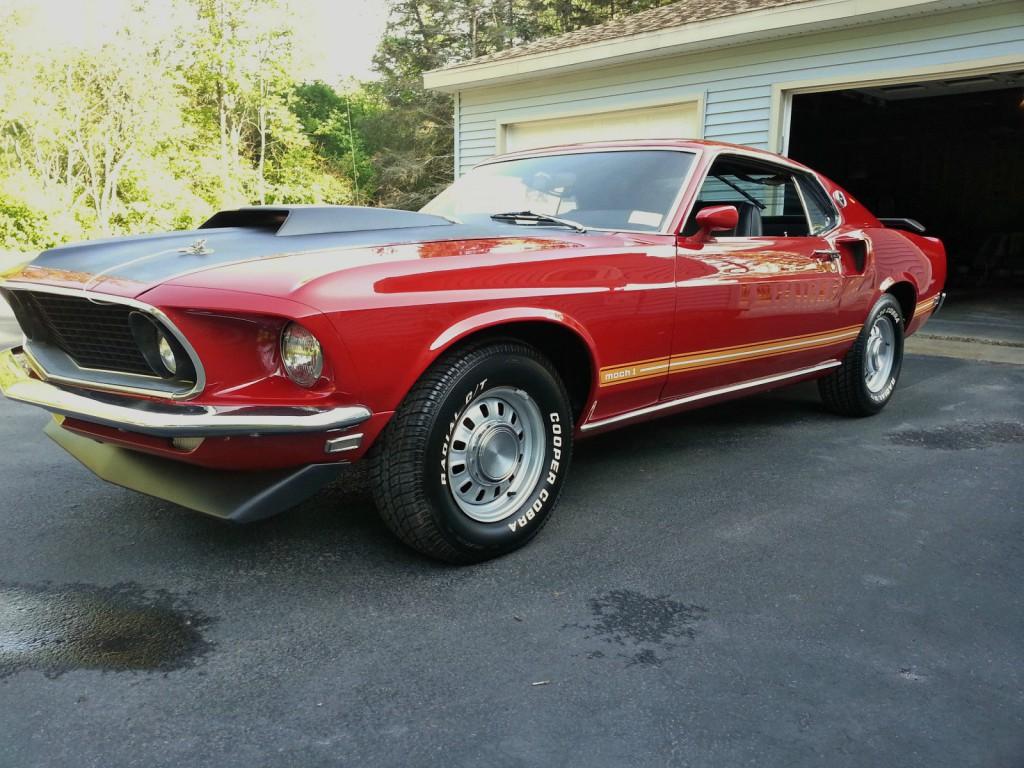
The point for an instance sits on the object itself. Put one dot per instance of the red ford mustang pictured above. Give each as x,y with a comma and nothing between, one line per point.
461,350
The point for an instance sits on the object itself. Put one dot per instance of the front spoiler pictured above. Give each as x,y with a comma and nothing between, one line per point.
240,497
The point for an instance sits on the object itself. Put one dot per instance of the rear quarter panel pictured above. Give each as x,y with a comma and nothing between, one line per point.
894,256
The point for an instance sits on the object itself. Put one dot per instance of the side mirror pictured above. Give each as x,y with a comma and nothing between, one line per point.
716,218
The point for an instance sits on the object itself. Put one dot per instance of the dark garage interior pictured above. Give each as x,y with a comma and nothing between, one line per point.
948,153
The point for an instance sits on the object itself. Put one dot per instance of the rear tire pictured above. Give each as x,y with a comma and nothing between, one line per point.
865,382
471,465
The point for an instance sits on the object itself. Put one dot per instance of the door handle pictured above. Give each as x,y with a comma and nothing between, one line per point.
826,255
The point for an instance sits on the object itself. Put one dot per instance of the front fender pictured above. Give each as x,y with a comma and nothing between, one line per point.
505,316
396,378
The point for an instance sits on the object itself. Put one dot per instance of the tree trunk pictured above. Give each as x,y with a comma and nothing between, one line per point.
222,111
261,127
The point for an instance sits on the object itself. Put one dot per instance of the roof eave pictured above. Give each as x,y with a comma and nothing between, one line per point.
754,26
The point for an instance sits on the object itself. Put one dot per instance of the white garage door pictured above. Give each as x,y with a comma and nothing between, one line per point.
676,121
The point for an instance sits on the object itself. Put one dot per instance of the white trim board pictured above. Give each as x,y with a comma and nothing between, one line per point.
797,19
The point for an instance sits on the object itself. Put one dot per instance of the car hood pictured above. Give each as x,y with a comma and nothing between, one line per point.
130,266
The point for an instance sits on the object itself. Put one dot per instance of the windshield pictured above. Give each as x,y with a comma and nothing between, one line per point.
632,190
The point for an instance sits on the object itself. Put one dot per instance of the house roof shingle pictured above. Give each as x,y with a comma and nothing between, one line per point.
666,17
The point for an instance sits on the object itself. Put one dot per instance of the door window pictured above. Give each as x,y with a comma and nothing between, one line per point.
770,199
820,211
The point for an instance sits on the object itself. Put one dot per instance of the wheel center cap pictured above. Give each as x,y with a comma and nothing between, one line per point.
875,352
497,453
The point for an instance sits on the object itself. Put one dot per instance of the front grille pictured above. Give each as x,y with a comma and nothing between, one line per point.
93,334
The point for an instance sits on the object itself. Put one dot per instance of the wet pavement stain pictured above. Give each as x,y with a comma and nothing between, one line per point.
641,625
56,629
964,436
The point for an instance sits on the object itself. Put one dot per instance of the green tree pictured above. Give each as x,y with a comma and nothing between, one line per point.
335,123
79,126
412,138
169,120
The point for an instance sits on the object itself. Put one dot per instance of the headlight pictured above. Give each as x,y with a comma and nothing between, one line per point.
301,354
164,353
167,357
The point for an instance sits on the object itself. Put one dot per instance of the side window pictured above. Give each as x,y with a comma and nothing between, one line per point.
766,196
820,211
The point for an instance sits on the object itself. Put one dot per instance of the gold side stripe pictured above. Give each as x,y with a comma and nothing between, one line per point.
660,361
684,360
925,306
777,341
693,361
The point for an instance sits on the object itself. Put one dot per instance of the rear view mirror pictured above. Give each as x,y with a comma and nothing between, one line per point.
716,218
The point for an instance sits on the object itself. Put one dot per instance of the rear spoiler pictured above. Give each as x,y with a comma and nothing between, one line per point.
908,225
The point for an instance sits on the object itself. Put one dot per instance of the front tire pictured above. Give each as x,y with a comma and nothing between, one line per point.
471,464
864,383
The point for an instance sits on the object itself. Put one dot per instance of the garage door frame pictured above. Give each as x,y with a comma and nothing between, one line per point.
530,115
782,93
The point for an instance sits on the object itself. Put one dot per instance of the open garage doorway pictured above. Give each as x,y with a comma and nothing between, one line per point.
948,153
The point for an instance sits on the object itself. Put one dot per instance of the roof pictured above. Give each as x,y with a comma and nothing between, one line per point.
666,17
683,27
641,144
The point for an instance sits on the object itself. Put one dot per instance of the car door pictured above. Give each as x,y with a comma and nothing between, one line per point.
761,300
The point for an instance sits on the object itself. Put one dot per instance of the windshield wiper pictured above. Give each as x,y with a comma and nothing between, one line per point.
536,219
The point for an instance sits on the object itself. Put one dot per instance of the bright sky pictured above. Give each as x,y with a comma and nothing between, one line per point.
345,34
340,36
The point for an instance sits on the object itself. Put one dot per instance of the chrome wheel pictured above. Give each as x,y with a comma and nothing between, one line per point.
879,353
496,454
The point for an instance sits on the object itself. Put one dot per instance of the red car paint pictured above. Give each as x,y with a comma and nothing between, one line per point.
656,314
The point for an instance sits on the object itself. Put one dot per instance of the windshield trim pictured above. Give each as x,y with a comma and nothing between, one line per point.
667,228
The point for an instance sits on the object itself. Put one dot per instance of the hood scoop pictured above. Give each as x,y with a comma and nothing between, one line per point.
293,220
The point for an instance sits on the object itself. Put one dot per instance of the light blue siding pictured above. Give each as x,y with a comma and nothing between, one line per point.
736,83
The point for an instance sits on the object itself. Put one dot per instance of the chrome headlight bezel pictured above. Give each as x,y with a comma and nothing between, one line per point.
302,355
163,352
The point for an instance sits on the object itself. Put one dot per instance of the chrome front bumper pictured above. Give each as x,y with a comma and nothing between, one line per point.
166,419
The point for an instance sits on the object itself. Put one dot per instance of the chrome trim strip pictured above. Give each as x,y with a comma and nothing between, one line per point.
709,394
343,443
17,285
47,374
803,204
165,420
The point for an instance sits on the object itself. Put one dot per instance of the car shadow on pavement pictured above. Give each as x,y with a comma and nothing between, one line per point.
342,516
338,528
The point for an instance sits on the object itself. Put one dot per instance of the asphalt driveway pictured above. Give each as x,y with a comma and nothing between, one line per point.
755,584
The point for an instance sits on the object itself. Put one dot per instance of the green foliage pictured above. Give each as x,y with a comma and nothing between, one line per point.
23,228
166,122
413,151
158,127
330,120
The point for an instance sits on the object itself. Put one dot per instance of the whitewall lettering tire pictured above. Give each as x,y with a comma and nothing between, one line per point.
471,465
865,382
